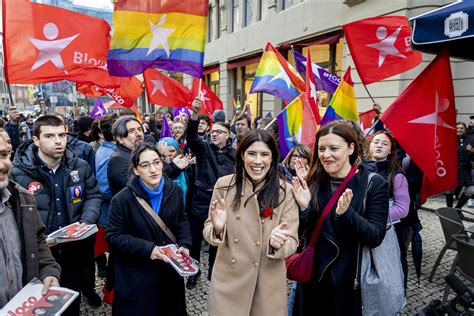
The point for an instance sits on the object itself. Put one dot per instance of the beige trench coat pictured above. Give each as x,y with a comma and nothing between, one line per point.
248,277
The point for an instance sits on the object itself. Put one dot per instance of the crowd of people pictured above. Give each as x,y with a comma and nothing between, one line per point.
215,181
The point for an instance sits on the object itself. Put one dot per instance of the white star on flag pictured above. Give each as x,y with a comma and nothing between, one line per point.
434,118
160,36
283,76
50,50
203,97
158,86
387,47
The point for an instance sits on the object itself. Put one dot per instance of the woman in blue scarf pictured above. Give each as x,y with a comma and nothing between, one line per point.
173,151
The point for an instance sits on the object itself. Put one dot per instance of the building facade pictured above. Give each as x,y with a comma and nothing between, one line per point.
238,30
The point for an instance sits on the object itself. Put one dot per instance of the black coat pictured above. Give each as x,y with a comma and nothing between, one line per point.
144,286
211,164
118,170
26,171
464,161
81,149
331,290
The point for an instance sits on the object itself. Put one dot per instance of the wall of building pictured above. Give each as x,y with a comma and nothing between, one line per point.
310,19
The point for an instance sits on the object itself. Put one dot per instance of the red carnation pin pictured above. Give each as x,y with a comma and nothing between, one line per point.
267,212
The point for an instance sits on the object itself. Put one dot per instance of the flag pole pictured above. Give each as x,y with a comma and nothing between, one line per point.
272,121
370,96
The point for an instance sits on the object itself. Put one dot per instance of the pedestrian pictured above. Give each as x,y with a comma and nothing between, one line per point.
145,284
242,127
128,133
214,159
383,154
253,219
25,254
331,288
51,172
298,159
465,155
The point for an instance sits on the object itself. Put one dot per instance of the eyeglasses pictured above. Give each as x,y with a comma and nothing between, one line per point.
147,166
296,156
218,131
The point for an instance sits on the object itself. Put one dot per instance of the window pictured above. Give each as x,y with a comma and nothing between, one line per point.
235,15
218,18
288,3
248,12
210,20
262,9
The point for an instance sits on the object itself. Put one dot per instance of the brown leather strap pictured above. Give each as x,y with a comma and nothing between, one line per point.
157,219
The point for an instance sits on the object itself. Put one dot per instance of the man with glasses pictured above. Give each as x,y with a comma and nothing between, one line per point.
214,159
65,190
128,133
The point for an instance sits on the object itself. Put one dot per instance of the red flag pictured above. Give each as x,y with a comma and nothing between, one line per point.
423,120
311,89
380,47
43,43
210,101
366,119
310,124
90,90
165,91
128,92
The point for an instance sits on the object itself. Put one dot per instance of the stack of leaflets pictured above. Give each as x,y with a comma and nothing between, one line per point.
183,264
29,301
70,233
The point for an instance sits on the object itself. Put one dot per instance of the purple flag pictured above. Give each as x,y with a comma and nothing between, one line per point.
269,115
182,111
165,129
98,110
324,80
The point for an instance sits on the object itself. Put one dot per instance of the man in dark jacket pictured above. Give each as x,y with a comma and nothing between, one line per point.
23,233
52,173
128,133
214,159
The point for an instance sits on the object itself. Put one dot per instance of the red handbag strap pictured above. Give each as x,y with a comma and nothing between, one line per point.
330,205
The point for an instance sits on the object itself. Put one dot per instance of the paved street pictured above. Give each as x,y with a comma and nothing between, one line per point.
418,296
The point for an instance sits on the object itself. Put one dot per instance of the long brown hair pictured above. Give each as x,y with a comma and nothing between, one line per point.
317,175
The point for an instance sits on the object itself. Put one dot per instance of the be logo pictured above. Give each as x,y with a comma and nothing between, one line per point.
33,187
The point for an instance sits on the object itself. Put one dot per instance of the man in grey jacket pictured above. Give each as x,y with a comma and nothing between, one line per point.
22,236
65,190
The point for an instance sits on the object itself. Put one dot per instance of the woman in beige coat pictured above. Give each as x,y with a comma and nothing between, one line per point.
253,219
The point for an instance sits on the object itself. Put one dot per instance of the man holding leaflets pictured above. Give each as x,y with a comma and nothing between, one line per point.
51,172
22,233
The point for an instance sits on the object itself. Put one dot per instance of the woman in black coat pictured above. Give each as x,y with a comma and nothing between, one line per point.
333,289
145,284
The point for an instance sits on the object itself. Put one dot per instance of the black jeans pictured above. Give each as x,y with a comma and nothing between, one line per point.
88,282
70,256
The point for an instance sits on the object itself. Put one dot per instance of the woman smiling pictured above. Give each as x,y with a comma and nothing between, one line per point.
253,219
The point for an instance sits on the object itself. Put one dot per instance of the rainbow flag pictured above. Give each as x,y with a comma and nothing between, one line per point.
169,35
343,105
290,125
277,77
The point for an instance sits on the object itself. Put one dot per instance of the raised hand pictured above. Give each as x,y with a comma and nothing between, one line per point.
196,107
181,161
301,168
218,215
344,202
301,192
279,235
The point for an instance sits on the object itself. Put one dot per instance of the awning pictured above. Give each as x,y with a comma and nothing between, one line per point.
451,26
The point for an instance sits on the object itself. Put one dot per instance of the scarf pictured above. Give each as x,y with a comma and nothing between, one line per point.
155,195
